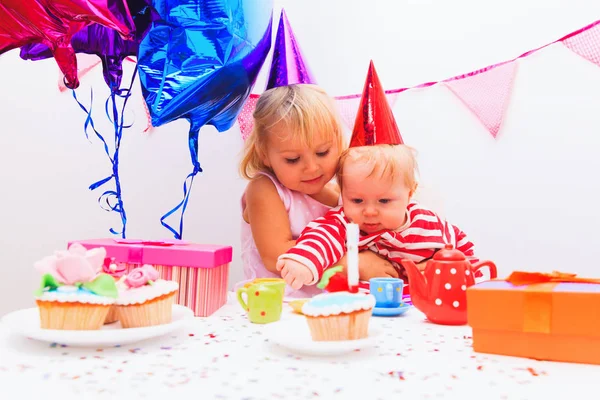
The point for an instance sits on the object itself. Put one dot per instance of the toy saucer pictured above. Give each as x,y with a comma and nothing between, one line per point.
391,311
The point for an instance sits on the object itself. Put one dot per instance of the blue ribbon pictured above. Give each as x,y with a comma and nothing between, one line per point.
119,124
193,147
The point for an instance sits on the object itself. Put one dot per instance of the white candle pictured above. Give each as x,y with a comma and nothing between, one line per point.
352,234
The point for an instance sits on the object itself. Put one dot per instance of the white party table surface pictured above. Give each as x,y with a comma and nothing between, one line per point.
224,356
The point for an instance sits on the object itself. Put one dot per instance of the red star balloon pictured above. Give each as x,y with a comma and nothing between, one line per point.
54,22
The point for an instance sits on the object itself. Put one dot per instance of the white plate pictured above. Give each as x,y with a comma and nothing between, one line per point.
294,335
27,323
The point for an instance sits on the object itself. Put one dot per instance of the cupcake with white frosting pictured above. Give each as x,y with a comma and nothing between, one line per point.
144,299
339,316
74,294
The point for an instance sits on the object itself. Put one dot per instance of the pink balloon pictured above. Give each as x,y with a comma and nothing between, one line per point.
54,22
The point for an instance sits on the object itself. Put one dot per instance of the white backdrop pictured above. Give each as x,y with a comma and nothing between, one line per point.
528,199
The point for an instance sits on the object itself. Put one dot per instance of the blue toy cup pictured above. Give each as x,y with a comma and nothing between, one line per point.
387,291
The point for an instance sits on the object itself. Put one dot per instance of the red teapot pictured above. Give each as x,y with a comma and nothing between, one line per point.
440,292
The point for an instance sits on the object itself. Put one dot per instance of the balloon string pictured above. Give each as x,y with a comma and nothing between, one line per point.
193,147
111,198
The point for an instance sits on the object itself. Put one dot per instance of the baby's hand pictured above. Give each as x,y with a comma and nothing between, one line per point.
294,273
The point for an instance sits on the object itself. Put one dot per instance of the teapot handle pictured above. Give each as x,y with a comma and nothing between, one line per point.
489,264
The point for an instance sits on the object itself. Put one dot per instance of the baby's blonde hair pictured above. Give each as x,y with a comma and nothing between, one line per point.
307,111
387,161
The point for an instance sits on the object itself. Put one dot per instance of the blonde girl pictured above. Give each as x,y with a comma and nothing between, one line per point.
290,160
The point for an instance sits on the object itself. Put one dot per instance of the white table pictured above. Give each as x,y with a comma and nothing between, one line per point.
226,357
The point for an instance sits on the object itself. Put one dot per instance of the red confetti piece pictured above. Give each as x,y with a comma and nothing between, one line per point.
226,355
190,334
479,367
99,350
399,373
211,335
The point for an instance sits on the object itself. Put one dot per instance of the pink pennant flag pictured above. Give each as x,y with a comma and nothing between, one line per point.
586,44
486,93
245,117
348,107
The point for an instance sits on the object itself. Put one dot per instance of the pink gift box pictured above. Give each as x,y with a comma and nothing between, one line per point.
202,270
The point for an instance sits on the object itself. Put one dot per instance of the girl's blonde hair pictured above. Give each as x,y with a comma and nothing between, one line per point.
387,161
306,110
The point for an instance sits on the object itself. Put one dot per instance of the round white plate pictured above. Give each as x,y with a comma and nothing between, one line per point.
294,335
27,323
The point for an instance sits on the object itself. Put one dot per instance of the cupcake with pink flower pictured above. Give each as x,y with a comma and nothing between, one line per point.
74,294
117,271
144,299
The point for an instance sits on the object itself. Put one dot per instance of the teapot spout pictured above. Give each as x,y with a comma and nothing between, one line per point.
418,285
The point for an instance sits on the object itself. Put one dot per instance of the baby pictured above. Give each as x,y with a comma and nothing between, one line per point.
377,183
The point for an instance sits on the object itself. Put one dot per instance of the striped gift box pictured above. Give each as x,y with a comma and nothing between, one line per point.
201,270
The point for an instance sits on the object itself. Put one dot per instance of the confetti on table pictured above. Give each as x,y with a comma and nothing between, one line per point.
411,359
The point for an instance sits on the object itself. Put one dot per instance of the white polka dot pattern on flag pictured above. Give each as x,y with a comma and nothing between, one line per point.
245,117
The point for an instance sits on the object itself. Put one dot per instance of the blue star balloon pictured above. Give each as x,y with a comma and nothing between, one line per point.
199,61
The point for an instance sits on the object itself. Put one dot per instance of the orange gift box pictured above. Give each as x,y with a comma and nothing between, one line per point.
554,317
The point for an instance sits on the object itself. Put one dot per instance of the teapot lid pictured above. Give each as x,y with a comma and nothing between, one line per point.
449,253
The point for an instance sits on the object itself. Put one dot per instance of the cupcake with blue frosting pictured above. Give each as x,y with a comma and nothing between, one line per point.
339,316
74,293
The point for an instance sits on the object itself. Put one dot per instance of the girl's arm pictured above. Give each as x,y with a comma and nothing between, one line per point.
268,221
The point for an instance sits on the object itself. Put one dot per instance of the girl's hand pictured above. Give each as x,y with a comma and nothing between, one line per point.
294,273
371,265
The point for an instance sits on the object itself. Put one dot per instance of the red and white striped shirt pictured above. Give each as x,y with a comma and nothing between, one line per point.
323,242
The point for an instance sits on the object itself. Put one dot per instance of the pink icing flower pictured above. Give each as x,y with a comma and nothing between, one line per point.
141,276
151,271
114,269
74,265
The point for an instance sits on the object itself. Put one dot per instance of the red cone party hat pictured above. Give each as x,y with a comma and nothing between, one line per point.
375,122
